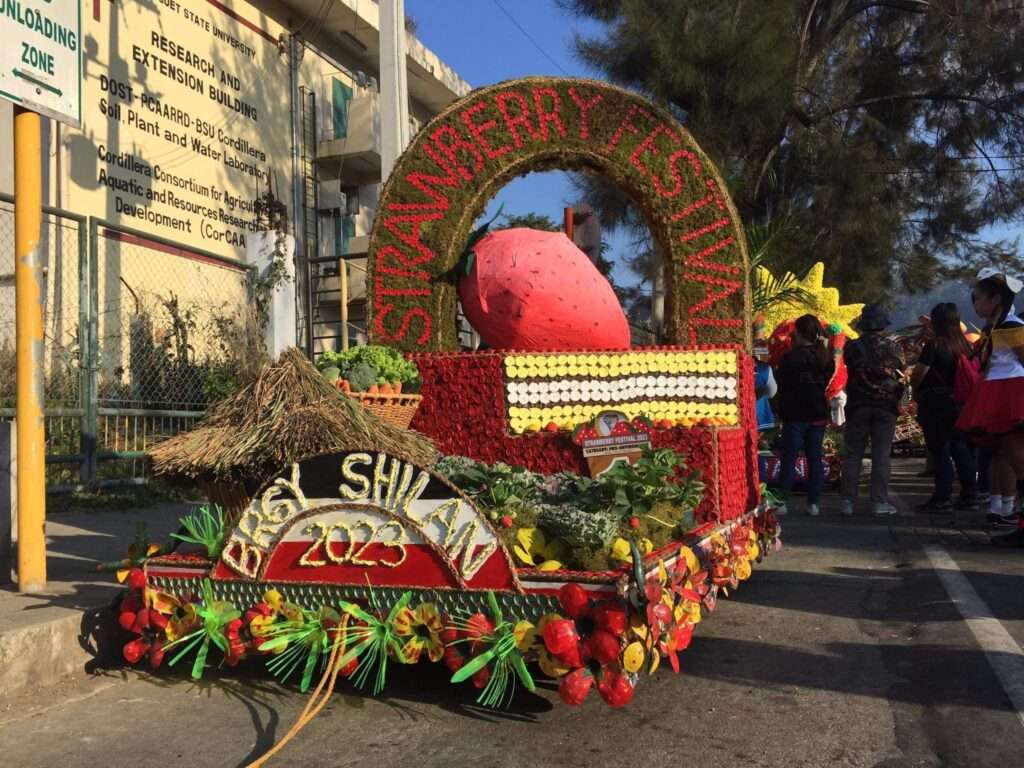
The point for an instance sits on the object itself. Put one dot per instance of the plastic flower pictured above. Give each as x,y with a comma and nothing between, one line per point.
621,550
422,628
184,621
533,549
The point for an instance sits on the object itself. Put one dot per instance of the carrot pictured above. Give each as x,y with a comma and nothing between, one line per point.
373,390
397,387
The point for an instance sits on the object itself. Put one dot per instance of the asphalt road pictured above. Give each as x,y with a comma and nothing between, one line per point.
844,649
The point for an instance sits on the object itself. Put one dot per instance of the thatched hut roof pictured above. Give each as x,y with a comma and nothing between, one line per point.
288,413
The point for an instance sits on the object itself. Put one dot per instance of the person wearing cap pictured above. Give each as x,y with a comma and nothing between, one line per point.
994,412
874,391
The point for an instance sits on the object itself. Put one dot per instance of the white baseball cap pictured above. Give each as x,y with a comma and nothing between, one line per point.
1012,283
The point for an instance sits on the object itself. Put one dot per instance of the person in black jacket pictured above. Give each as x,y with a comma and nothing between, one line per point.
874,391
804,373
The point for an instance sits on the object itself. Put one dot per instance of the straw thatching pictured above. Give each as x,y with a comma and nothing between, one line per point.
288,413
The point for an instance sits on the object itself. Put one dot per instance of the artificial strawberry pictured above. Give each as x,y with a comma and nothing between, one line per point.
604,646
615,689
529,290
574,600
136,578
574,687
134,650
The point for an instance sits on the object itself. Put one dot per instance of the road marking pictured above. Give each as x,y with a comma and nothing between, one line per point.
1004,655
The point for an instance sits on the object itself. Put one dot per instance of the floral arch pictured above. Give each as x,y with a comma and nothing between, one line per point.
464,156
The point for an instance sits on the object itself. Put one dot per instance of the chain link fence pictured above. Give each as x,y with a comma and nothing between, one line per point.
141,336
165,319
60,242
62,245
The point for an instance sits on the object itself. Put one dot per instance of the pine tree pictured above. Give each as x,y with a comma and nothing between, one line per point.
888,134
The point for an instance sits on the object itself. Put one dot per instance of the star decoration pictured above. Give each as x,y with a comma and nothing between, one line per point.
824,302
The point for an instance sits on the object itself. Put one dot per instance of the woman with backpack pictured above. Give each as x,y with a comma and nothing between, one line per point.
874,391
803,375
994,412
945,361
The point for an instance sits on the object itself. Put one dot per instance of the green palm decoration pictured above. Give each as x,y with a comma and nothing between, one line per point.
305,640
215,617
766,290
504,656
372,642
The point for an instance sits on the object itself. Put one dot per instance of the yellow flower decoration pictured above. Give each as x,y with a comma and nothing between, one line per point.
184,622
753,550
423,628
743,570
824,302
534,549
688,556
526,636
622,552
633,657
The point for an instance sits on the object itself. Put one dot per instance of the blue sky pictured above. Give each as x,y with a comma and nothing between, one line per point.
481,42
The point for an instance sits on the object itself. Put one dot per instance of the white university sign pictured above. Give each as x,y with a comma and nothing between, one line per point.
41,57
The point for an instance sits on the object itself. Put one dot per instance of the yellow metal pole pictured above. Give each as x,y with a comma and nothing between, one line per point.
343,289
29,293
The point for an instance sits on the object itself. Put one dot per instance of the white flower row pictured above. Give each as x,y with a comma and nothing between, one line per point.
616,390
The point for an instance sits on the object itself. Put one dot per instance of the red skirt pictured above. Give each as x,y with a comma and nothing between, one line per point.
994,408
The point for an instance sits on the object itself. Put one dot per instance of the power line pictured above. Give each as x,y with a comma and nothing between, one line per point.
529,37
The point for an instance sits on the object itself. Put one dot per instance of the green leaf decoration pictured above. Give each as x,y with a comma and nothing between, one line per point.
215,616
372,643
307,641
205,529
468,257
502,657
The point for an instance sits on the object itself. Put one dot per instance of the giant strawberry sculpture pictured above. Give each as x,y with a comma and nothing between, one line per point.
526,289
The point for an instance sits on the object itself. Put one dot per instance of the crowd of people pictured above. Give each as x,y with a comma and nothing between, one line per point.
969,404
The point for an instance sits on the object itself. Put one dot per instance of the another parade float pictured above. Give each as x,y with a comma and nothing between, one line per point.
593,500
783,300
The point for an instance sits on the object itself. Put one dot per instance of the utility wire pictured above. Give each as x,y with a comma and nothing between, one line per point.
529,37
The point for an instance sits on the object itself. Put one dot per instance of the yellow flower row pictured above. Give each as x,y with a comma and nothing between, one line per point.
611,364
686,414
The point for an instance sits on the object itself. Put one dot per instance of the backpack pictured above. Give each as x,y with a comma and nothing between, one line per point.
968,374
877,377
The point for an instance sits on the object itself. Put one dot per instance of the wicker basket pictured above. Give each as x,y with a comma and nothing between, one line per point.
394,409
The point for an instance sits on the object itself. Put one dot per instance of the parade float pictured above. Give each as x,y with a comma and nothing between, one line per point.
563,506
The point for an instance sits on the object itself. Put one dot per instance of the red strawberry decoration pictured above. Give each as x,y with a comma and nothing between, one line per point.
615,689
604,646
574,687
136,578
531,290
135,650
551,427
574,600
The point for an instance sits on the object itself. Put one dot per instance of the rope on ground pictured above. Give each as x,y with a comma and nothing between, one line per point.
313,706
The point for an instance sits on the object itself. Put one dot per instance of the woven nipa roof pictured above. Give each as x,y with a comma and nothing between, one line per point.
288,413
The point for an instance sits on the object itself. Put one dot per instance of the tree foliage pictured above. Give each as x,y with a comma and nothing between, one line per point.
539,221
888,134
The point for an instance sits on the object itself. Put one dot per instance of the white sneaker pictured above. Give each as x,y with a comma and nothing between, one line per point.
812,510
883,509
846,508
781,511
